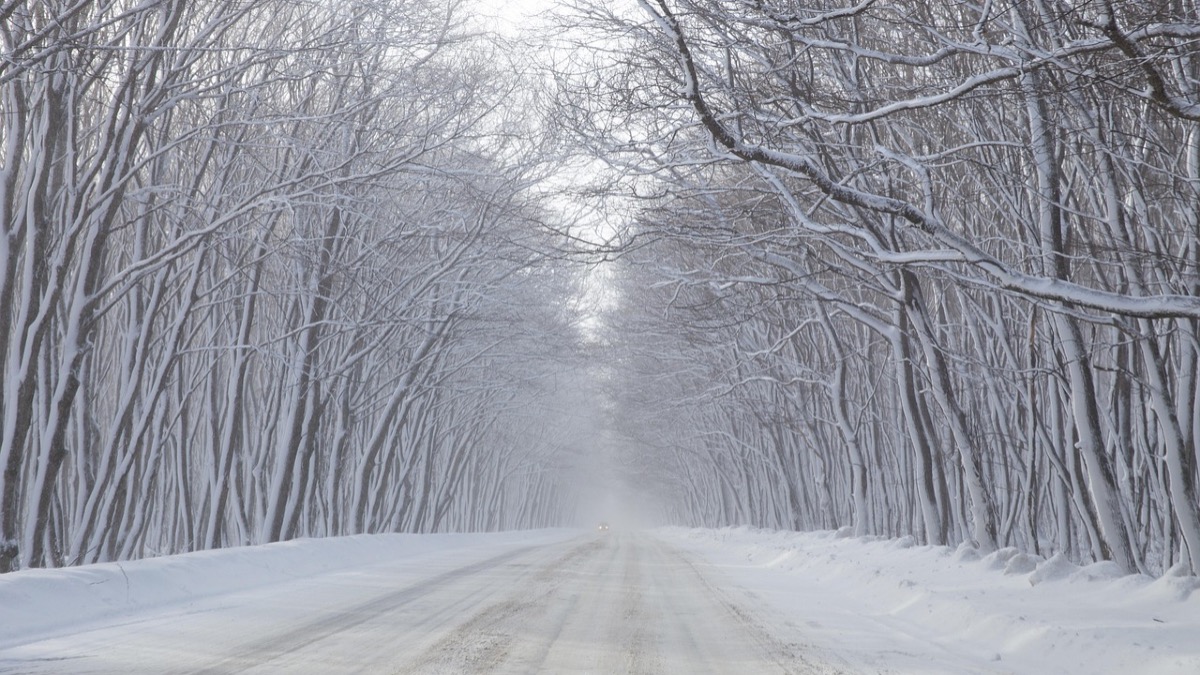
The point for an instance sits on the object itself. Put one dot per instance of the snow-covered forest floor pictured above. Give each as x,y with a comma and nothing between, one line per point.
857,604
891,606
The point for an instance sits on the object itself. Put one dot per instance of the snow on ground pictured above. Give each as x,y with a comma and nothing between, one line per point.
46,602
875,605
891,606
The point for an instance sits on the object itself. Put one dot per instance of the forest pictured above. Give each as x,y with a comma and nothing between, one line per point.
267,269
299,268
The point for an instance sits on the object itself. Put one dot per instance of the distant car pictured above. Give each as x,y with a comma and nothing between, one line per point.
603,527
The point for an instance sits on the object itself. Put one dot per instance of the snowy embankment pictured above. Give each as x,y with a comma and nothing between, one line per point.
889,605
44,602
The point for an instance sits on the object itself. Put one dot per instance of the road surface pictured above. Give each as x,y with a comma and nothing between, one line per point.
600,603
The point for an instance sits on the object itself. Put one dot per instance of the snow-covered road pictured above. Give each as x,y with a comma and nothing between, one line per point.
591,603
671,600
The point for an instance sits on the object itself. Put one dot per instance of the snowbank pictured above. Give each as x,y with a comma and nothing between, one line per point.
889,605
42,602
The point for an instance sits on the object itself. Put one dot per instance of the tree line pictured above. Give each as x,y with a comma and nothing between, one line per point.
926,268
267,270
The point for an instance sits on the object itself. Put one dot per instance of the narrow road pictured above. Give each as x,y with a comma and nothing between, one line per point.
601,603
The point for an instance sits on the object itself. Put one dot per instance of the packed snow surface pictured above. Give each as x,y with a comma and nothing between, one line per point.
568,601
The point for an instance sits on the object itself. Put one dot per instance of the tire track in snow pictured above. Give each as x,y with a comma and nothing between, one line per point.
326,625
484,642
627,604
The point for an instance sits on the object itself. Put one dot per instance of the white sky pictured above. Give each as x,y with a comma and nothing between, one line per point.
508,17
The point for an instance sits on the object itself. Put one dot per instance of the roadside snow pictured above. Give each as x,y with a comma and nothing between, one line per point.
45,602
891,606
